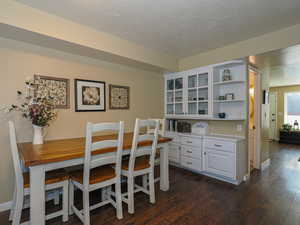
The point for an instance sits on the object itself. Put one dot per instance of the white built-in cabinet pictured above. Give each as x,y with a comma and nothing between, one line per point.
194,94
220,157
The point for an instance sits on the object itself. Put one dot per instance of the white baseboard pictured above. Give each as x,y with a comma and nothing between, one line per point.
5,206
265,164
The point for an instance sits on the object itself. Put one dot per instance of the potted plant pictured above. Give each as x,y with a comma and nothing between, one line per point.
38,107
286,127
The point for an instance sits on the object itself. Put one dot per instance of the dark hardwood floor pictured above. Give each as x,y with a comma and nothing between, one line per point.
268,198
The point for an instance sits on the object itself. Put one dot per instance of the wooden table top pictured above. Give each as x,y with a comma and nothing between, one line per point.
66,149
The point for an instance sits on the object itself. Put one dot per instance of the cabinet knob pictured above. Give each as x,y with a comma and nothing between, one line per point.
189,163
189,152
204,153
218,145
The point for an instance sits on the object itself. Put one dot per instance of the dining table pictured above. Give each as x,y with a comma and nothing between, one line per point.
56,154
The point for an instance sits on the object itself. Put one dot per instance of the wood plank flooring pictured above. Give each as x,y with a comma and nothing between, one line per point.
268,198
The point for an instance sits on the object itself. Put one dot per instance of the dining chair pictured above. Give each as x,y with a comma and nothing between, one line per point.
56,179
98,172
140,163
161,128
161,132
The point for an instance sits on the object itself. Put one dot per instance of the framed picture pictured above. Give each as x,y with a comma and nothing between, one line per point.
60,87
118,97
89,95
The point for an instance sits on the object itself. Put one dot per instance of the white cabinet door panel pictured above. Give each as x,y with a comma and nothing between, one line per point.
220,163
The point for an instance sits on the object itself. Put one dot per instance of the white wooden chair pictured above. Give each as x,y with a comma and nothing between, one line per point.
141,163
54,180
97,171
161,128
161,132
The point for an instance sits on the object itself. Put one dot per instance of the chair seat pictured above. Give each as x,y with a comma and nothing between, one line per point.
97,175
52,177
140,163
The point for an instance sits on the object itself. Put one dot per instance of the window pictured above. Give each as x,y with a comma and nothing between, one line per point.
292,107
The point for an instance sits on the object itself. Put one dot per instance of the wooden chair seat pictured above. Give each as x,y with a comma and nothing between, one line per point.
140,163
97,175
52,177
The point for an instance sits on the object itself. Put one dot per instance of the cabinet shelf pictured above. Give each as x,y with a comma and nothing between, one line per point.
228,101
229,82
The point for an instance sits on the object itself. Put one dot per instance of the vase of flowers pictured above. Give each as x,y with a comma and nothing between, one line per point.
39,108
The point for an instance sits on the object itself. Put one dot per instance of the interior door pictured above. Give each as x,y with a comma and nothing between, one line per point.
273,115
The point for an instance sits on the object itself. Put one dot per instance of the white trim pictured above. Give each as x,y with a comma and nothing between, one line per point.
257,117
265,164
5,206
287,85
276,138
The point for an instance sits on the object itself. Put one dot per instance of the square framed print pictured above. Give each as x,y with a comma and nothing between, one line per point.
119,97
60,87
89,95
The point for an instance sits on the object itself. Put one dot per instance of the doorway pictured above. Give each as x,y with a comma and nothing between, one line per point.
254,124
273,116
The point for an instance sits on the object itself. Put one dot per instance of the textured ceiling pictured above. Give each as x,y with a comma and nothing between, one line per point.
283,64
177,27
281,57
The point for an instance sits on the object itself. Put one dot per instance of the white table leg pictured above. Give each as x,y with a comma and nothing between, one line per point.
37,195
164,168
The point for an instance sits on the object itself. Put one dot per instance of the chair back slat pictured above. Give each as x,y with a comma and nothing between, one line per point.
104,144
90,161
145,137
143,152
105,127
137,150
101,161
161,129
15,155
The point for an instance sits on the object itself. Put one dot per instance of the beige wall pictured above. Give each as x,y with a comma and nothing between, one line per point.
280,101
19,60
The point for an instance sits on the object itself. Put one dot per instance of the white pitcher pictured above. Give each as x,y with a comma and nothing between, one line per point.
38,136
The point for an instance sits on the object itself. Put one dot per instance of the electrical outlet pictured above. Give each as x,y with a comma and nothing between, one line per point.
239,127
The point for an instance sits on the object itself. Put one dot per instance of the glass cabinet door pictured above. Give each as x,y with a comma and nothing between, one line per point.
197,94
174,96
188,94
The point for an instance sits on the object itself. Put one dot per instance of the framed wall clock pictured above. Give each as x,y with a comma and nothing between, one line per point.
119,97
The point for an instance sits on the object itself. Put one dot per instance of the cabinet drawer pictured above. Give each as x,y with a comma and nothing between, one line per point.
174,153
194,164
197,142
219,145
191,152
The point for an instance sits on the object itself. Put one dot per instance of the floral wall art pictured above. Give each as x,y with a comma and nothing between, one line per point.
56,87
118,97
89,95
